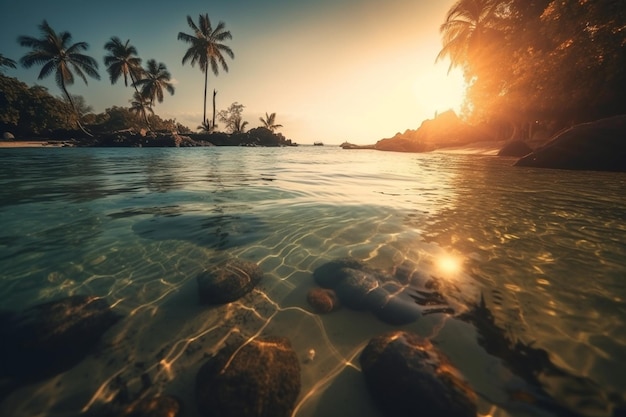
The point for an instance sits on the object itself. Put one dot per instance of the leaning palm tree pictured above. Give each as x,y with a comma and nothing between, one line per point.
269,122
57,55
6,62
207,49
465,28
156,79
122,60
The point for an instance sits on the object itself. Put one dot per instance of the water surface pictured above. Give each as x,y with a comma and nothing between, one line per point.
545,248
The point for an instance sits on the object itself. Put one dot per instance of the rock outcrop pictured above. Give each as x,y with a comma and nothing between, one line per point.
258,378
444,130
517,148
228,281
594,146
407,376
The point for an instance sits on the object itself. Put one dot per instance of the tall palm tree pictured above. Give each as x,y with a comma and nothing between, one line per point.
269,121
6,62
465,27
207,49
122,60
156,79
57,55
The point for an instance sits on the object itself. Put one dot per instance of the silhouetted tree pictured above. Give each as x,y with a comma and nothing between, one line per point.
57,55
156,79
207,49
6,62
269,122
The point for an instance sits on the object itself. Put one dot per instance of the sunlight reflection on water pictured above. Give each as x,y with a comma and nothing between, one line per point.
546,249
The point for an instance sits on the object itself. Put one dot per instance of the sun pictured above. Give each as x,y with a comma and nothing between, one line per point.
436,90
449,264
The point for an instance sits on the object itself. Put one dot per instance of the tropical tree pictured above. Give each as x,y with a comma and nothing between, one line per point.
6,62
123,61
466,28
269,122
207,48
156,79
140,105
57,55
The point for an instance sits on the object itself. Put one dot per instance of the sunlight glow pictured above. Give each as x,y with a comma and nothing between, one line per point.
449,264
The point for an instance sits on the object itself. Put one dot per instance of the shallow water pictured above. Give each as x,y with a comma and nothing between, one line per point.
546,249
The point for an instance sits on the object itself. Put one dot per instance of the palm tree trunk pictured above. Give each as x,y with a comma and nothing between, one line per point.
206,80
213,121
69,97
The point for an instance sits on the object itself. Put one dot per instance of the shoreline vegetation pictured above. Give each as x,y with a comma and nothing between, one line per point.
523,65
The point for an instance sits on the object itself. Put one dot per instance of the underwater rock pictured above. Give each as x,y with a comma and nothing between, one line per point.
323,300
157,406
228,281
50,338
408,376
394,298
259,378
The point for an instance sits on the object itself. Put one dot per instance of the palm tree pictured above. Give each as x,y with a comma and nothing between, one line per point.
269,121
466,26
6,62
123,61
57,55
139,105
207,49
156,79
239,126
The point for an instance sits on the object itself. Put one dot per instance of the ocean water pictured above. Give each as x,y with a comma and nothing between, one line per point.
545,249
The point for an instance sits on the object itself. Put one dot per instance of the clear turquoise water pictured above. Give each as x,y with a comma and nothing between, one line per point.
546,248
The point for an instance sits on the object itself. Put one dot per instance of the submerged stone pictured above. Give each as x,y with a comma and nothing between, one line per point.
392,298
50,338
407,376
228,281
323,300
258,378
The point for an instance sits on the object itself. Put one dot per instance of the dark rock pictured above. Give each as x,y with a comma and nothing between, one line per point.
157,406
8,136
595,146
50,338
259,378
331,273
323,300
228,281
395,299
516,148
407,376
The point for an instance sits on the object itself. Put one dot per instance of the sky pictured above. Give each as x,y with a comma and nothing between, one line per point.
331,70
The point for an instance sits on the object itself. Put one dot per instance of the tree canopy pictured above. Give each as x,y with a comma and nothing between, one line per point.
539,61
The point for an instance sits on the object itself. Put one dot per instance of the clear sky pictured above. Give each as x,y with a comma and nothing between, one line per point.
332,70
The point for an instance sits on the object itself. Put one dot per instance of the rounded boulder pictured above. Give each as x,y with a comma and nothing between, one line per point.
228,281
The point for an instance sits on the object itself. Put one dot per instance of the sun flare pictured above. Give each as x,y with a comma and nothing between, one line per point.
449,264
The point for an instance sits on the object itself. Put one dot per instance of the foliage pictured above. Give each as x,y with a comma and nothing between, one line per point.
548,62
6,62
232,119
156,79
207,48
55,53
269,122
33,110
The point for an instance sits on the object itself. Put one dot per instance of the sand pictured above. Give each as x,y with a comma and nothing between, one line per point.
29,143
